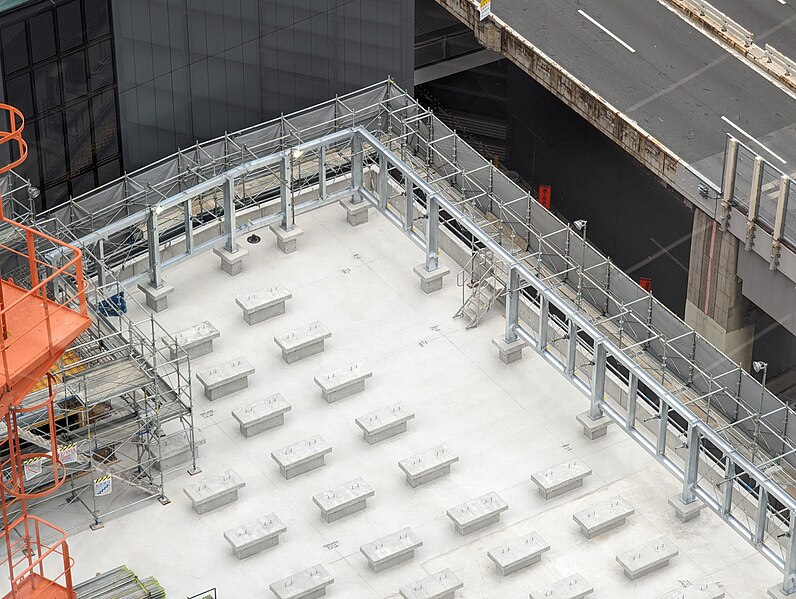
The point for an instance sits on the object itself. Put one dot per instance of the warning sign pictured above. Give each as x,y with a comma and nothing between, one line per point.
484,9
68,453
103,486
32,468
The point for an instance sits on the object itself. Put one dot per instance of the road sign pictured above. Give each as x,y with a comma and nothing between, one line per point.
545,192
484,9
103,486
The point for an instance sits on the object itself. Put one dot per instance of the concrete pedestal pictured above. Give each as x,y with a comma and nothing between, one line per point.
561,479
343,382
226,378
508,352
260,416
775,592
440,585
478,513
156,299
263,304
431,281
572,587
593,429
384,423
214,492
256,536
647,558
356,214
392,550
197,340
301,457
603,517
685,511
350,498
518,554
303,342
428,465
307,584
703,590
231,262
287,241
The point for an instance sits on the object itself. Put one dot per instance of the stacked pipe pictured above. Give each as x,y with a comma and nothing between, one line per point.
119,583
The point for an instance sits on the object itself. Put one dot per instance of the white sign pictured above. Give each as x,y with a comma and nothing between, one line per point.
32,468
68,453
103,486
484,9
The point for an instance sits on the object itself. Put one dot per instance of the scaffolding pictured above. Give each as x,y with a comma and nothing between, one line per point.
710,423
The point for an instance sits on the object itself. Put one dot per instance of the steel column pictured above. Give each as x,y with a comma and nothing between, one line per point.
691,469
432,233
384,186
409,217
632,401
754,201
572,348
729,478
230,227
544,315
153,241
760,520
357,161
188,224
728,184
286,191
779,221
512,305
598,381
789,582
663,427
322,173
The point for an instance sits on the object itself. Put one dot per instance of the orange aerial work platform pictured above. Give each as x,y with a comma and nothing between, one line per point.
39,319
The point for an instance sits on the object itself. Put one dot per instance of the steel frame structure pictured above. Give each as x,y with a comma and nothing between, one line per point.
702,417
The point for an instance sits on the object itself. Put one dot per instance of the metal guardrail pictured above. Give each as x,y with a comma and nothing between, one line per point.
768,59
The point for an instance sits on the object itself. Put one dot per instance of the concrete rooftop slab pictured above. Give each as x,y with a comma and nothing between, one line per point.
504,422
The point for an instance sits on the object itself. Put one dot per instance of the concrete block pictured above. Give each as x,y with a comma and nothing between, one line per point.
226,378
302,342
440,585
287,241
477,513
427,466
263,304
259,416
157,299
704,590
602,517
593,429
301,457
518,553
343,382
685,511
356,214
509,352
197,340
307,584
561,478
347,499
571,587
384,423
175,450
646,558
431,281
255,536
231,262
392,550
215,491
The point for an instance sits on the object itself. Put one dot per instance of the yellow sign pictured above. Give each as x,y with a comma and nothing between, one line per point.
484,9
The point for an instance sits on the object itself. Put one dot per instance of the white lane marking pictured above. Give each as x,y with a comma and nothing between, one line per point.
626,45
737,128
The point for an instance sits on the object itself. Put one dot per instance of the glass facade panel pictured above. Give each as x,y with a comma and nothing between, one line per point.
58,60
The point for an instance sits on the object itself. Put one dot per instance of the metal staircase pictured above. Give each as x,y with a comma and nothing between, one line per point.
480,276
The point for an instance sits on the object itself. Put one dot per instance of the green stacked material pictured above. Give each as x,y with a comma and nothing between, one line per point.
119,583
